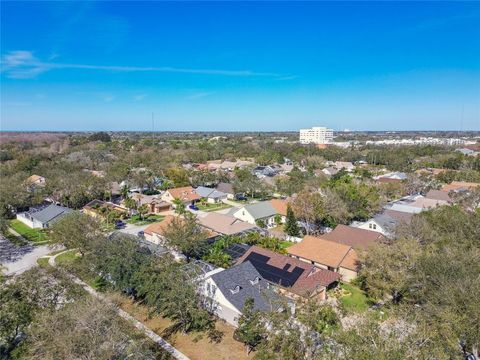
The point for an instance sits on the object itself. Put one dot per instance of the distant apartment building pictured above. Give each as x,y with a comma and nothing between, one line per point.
316,135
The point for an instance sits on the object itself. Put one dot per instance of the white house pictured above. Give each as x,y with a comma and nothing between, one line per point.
227,291
40,218
261,211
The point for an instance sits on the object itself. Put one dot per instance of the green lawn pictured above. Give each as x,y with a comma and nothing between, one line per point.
213,207
42,262
66,258
148,219
353,298
34,235
286,244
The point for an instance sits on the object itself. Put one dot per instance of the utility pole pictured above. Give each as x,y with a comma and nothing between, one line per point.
153,129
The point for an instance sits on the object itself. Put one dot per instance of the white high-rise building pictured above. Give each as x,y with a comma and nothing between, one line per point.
316,135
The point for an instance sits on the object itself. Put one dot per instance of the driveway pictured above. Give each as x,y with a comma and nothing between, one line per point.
132,229
17,259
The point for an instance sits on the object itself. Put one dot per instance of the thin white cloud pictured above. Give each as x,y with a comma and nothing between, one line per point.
199,95
139,97
23,64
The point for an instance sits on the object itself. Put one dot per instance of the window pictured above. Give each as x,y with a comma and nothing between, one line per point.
374,226
236,290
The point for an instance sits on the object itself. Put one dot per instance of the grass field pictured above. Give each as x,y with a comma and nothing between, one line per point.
34,235
148,219
286,244
353,299
66,258
213,207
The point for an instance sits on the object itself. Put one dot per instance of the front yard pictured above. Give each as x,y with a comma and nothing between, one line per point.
34,235
147,219
212,207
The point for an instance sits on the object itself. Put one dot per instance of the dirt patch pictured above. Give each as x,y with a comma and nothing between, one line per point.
196,346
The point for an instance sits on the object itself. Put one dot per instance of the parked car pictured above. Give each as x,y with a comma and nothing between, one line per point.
241,198
119,224
193,207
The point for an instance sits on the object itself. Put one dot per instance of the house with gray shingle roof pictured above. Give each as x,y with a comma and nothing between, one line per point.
40,218
212,195
228,290
252,213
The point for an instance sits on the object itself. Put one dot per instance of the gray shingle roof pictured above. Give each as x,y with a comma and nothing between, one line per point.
50,213
261,210
209,192
242,275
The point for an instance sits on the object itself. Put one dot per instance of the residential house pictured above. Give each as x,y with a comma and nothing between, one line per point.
155,232
395,177
229,289
438,195
227,188
351,236
280,206
459,186
98,208
43,217
344,165
327,256
186,194
258,212
226,224
385,222
263,171
212,196
35,180
294,278
330,171
414,204
154,203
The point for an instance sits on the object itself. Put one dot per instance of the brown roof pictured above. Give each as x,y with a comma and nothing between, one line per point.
459,185
388,180
280,206
224,224
295,275
186,193
354,237
34,178
159,227
438,195
321,251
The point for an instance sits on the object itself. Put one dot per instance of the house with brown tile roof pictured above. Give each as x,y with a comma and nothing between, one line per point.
35,180
459,186
293,277
352,236
186,194
226,224
325,254
155,232
438,195
280,206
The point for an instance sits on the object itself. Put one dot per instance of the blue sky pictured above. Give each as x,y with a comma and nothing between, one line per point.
240,66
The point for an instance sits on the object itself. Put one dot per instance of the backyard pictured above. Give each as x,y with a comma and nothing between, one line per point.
34,235
352,298
194,345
